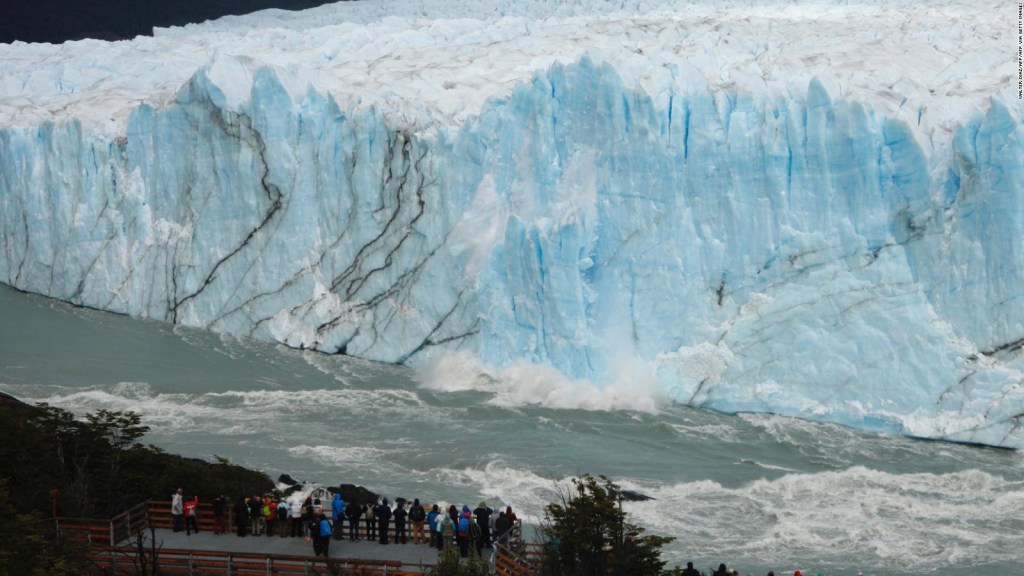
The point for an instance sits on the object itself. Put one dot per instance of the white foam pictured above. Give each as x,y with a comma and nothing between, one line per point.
232,411
525,384
920,521
342,455
503,485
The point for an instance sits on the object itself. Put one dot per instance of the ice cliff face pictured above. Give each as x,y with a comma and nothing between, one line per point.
633,211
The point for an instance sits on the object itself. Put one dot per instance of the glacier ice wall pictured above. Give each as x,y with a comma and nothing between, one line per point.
804,254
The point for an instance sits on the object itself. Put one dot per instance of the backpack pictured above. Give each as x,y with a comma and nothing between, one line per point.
325,528
416,514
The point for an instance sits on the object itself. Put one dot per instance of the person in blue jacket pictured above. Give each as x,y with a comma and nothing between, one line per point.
432,519
462,536
338,515
320,532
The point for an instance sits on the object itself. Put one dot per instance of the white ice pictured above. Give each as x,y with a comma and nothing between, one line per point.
813,209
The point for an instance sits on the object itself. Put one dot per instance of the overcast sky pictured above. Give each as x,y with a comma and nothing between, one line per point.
56,21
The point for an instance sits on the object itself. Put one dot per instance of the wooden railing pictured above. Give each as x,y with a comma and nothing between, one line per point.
195,563
160,517
102,536
104,532
517,558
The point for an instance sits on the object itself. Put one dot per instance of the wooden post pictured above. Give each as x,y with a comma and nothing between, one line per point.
270,566
111,533
190,572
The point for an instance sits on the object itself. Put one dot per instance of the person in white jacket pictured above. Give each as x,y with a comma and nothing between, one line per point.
177,509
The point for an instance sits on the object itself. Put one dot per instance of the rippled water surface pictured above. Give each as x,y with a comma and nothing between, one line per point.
755,491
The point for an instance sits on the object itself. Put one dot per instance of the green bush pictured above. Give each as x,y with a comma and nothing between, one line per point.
587,534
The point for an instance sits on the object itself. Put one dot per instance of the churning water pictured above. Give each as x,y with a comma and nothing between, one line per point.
755,491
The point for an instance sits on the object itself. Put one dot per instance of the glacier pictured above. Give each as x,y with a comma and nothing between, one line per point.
808,209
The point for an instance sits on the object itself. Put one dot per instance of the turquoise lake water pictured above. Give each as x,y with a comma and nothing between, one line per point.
755,491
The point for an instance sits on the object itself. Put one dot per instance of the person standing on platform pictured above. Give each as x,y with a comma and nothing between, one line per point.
502,529
255,516
177,510
313,530
295,511
483,519
383,520
325,535
370,516
400,515
462,535
191,521
417,516
338,515
283,514
269,515
447,529
219,521
432,519
241,516
353,512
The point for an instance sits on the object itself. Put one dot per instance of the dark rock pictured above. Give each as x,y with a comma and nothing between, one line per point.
631,496
8,401
286,479
357,494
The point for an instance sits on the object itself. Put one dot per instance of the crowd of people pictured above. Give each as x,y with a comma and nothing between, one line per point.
402,523
724,571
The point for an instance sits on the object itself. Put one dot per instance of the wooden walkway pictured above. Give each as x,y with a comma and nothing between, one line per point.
112,549
407,554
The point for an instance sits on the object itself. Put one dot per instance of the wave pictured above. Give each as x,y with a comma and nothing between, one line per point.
917,522
526,384
230,411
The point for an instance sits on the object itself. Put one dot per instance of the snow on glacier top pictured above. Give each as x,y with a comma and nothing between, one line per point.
432,63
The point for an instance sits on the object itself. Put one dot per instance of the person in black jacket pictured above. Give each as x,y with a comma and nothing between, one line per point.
417,517
353,511
256,516
383,520
690,570
502,529
483,519
241,516
219,505
400,516
313,525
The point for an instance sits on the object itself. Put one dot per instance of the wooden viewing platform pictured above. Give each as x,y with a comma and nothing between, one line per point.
112,548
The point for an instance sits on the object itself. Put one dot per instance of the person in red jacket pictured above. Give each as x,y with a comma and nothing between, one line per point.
191,522
270,515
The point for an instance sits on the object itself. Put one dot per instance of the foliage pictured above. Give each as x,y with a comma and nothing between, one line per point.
587,534
99,466
449,564
28,545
